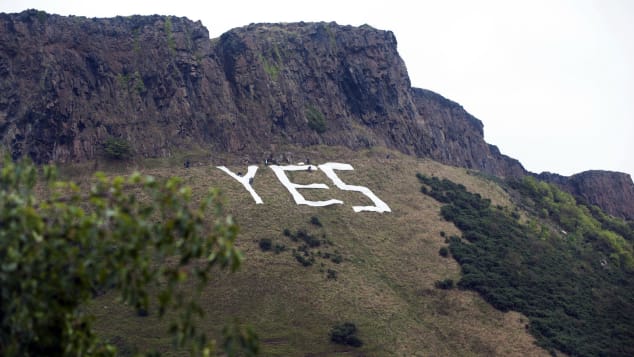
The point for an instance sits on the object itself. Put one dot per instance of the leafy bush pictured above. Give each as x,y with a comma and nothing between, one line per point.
265,244
444,284
60,246
304,253
304,236
336,258
331,274
279,248
315,220
303,260
345,334
444,252
117,148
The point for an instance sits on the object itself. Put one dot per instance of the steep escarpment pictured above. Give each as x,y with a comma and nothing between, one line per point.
68,84
315,84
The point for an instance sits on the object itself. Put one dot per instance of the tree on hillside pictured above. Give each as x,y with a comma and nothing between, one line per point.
60,246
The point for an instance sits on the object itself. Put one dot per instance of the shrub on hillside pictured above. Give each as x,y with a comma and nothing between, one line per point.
304,260
117,148
444,284
345,334
279,248
303,235
331,274
265,244
336,258
444,252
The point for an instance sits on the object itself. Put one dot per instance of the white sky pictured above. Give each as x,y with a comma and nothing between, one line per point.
552,80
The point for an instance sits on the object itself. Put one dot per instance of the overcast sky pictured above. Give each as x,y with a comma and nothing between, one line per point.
553,81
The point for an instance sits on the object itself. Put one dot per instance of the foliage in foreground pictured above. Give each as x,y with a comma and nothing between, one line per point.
60,246
575,287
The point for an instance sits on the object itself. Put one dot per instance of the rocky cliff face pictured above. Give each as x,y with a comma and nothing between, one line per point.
451,135
69,83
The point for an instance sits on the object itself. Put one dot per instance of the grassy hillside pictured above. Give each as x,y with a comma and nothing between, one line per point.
386,264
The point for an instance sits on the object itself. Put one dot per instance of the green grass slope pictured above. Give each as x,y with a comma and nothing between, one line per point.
377,271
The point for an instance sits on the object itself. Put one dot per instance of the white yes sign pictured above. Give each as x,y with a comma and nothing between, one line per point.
328,168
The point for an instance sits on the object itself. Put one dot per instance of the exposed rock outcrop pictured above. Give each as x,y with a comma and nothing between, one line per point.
69,83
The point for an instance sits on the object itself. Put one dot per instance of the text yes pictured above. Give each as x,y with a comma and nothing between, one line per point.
328,168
